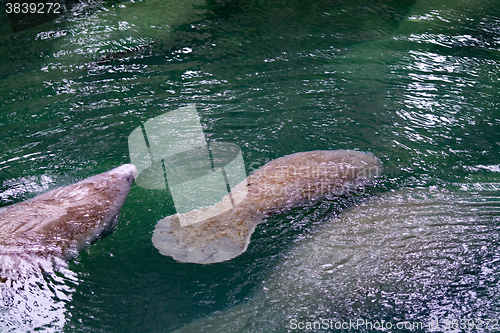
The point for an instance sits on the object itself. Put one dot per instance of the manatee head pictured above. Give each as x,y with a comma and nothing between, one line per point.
63,221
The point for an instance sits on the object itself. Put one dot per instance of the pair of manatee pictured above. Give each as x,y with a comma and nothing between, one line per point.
61,222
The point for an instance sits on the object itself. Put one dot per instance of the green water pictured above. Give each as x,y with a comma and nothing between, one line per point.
414,82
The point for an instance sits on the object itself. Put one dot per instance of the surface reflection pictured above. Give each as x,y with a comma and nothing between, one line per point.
38,298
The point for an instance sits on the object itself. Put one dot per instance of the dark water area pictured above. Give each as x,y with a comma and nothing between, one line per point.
414,82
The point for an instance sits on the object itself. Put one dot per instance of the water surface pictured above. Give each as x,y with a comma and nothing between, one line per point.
414,82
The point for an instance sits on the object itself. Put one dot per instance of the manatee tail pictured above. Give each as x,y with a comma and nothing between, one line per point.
222,232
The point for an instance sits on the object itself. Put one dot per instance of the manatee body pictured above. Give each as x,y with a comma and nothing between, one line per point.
61,222
397,255
276,186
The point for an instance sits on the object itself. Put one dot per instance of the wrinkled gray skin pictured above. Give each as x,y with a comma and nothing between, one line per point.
61,222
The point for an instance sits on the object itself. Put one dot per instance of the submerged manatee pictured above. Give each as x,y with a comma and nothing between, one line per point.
415,256
276,186
61,222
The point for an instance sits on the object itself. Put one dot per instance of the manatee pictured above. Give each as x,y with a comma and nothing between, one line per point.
410,255
273,188
61,222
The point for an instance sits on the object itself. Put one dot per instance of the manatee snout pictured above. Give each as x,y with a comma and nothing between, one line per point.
127,172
